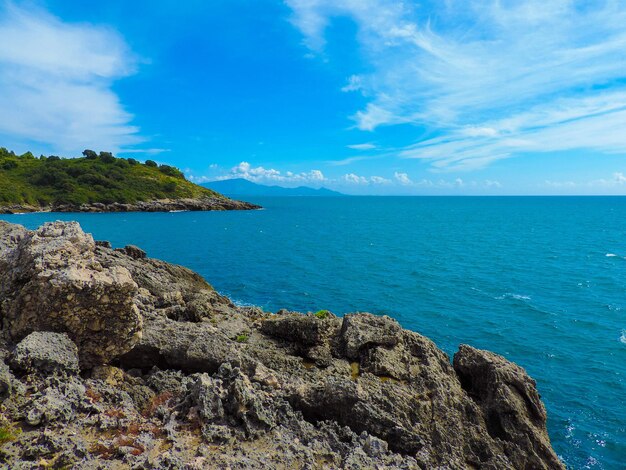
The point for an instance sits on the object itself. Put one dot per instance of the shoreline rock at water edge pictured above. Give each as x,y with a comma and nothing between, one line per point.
111,359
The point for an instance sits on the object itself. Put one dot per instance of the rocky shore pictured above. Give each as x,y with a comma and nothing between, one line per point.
110,360
159,205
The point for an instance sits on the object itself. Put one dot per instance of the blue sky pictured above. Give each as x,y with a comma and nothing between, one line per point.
364,96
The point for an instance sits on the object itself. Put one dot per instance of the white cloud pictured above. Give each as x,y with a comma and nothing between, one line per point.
198,179
352,178
260,174
379,180
492,184
619,178
354,84
355,179
402,178
55,82
616,182
367,146
470,71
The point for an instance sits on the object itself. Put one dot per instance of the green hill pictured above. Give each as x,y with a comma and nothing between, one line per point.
94,178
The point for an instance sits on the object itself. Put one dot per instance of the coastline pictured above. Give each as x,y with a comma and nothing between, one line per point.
157,205
157,348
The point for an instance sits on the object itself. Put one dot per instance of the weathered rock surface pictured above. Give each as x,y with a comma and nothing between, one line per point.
46,352
52,281
173,375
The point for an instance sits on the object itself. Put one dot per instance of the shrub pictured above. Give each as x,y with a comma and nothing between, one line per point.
171,171
242,338
90,154
322,314
107,157
170,187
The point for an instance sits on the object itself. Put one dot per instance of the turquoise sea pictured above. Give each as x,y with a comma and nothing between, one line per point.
539,280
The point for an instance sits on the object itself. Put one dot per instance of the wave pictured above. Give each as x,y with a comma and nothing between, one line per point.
509,295
622,338
611,255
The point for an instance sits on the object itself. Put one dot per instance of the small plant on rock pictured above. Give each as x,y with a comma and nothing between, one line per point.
242,338
8,433
322,314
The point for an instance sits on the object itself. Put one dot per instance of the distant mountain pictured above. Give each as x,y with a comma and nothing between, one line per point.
239,187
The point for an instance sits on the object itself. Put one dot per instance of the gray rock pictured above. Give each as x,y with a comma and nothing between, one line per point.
6,381
46,352
52,281
511,406
133,251
361,331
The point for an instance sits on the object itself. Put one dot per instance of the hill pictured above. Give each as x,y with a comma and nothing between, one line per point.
99,182
239,187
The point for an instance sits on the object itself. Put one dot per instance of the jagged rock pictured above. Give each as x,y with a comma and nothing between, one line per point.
510,404
51,280
133,251
190,347
47,353
57,403
176,369
311,336
363,330
6,381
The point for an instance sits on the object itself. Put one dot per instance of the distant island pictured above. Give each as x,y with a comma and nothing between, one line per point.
240,187
100,182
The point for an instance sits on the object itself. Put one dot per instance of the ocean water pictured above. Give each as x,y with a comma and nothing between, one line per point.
541,281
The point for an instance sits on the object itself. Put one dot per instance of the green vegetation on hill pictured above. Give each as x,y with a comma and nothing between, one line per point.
93,178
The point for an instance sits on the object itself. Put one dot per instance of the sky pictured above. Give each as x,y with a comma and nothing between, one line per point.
450,97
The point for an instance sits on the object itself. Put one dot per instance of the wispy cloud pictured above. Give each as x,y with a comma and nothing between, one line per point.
55,82
489,79
615,183
366,146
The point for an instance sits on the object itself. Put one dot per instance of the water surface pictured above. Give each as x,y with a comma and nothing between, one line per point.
541,281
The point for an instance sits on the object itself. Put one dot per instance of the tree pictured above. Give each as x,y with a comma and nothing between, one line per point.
107,157
151,163
171,171
132,161
90,154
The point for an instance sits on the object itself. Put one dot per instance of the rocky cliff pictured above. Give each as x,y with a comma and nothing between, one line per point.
110,359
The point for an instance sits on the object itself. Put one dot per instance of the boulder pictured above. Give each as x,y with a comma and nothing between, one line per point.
52,281
47,353
361,331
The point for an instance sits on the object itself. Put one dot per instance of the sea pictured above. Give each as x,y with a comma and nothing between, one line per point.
539,280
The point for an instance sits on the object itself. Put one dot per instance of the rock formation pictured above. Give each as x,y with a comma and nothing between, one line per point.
174,375
157,205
